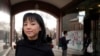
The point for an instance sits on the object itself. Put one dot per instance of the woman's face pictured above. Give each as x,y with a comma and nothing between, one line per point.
31,29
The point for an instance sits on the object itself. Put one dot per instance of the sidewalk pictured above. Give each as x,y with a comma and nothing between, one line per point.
1,45
58,52
11,52
3,50
70,52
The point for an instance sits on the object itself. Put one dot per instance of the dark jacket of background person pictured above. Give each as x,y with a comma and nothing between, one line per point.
38,47
64,43
49,41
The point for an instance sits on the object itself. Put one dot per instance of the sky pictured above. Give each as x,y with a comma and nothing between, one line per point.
4,21
49,20
4,17
81,16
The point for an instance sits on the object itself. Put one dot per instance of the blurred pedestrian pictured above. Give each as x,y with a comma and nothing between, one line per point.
64,43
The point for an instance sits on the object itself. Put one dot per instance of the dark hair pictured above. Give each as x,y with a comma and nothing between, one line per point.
65,32
47,35
38,18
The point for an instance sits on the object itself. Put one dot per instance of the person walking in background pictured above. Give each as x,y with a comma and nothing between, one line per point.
34,37
49,41
64,43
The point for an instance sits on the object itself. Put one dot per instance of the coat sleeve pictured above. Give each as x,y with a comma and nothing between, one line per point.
49,53
16,49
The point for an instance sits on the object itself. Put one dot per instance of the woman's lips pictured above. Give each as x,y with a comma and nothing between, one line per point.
29,31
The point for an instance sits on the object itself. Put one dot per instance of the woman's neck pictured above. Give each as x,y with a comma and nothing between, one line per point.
33,37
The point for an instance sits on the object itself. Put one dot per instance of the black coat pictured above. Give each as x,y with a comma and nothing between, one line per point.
34,48
64,43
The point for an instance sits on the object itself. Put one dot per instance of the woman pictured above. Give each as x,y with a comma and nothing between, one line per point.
34,39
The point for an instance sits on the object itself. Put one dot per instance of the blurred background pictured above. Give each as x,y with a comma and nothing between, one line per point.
81,18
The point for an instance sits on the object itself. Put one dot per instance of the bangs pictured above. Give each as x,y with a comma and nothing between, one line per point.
31,19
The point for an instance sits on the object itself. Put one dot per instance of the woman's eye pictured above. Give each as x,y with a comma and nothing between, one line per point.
32,23
25,24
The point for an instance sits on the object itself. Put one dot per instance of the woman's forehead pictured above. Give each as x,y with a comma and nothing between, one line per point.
31,19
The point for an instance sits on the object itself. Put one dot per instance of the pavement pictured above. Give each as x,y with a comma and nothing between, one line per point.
2,50
70,52
11,52
1,46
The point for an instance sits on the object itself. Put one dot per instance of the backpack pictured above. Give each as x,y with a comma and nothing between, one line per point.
60,42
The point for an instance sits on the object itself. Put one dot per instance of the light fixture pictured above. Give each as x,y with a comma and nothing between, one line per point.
98,5
76,8
90,8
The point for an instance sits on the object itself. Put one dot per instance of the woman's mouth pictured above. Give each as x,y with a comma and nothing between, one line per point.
29,31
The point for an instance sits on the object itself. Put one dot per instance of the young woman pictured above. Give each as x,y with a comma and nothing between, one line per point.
34,39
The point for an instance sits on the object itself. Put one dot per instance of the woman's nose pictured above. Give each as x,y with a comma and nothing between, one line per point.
28,26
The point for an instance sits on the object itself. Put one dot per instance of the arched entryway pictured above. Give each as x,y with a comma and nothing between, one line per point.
35,5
